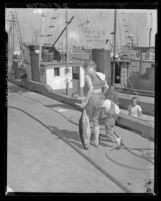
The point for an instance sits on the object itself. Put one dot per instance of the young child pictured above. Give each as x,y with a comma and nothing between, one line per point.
110,113
134,109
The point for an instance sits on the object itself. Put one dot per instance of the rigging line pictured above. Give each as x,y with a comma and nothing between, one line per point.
128,27
78,20
18,27
87,22
101,20
10,33
19,40
81,32
125,31
51,30
32,29
80,28
125,34
55,21
44,39
53,16
87,14
87,25
119,31
48,32
136,32
56,29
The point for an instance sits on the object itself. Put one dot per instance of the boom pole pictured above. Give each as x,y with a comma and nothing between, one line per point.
62,32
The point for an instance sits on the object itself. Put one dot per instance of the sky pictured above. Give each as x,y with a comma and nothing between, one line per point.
136,22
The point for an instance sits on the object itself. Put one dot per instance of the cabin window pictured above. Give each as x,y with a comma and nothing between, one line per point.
75,72
117,72
56,71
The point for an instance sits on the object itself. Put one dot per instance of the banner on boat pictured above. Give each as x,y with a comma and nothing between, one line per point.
94,38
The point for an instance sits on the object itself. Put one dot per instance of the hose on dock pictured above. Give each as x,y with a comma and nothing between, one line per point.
129,149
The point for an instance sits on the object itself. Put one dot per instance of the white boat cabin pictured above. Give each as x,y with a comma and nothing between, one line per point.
56,76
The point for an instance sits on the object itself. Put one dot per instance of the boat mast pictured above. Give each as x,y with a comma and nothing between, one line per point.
12,43
41,40
150,30
19,36
67,86
114,50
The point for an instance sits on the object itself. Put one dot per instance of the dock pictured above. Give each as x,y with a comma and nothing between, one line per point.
45,151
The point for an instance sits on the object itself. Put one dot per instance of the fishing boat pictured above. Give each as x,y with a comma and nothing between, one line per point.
54,62
134,74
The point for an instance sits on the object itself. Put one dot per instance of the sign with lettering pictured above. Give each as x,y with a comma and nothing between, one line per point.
94,38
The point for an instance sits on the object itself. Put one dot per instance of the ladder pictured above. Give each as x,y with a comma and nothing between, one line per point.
18,30
51,26
18,33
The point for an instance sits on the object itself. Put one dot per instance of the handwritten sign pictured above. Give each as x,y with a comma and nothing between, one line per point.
94,38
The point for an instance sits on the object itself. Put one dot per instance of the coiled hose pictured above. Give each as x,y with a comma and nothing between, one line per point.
129,149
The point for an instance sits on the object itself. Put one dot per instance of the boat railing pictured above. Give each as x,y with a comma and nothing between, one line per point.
47,57
139,91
